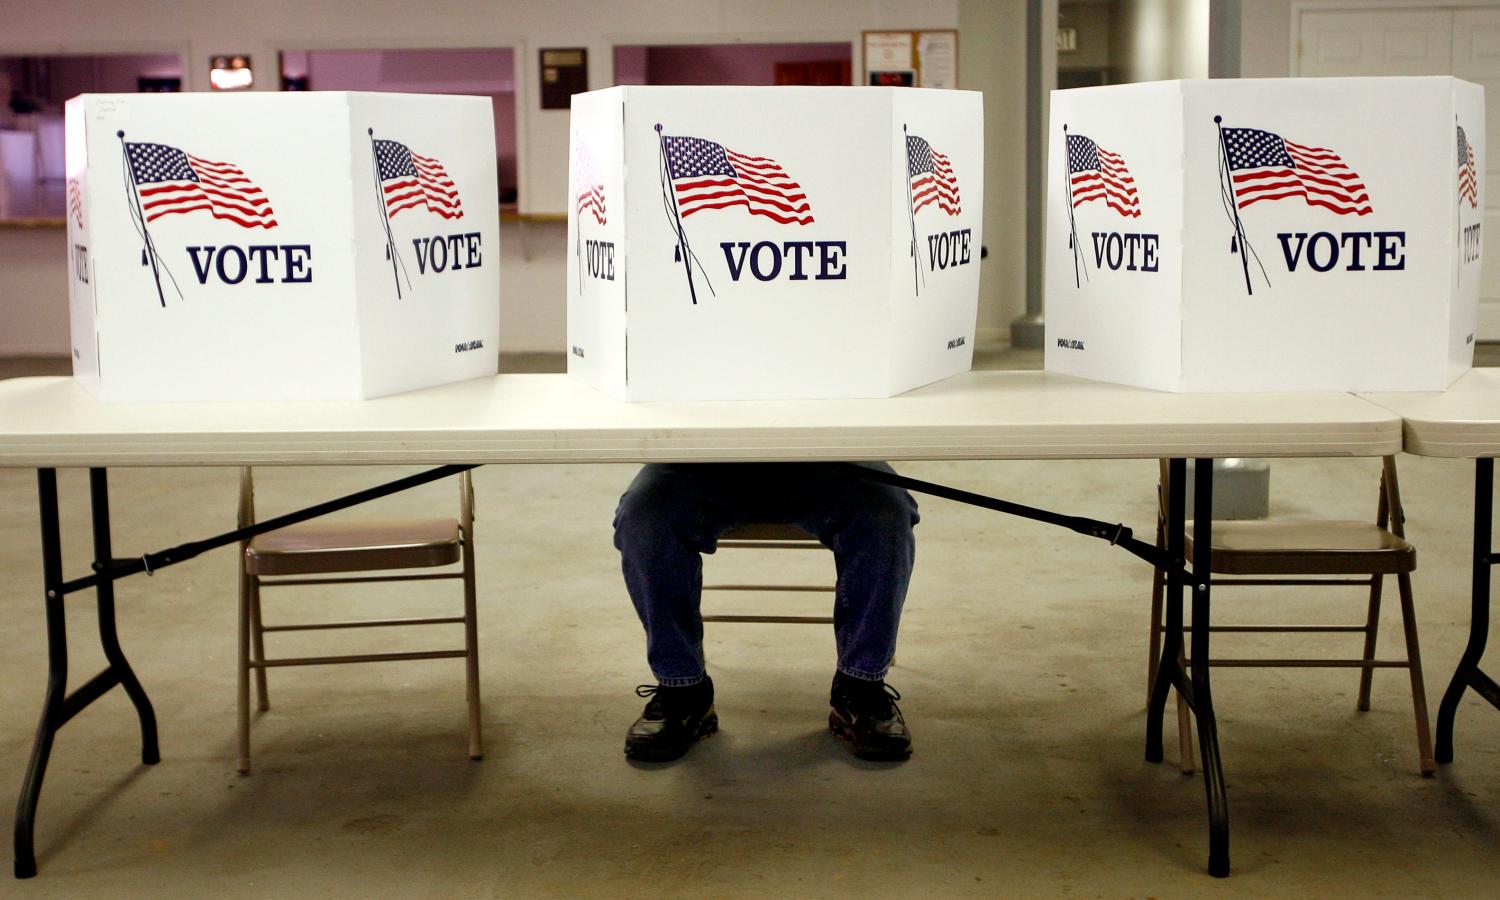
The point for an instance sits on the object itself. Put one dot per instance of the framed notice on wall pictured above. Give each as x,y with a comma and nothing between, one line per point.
912,58
565,72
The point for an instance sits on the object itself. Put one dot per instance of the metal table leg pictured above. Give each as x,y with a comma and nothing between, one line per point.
1195,689
1169,671
108,636
57,673
59,706
1468,674
1202,699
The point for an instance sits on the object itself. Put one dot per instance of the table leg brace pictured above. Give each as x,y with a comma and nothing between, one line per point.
59,706
1468,673
1195,689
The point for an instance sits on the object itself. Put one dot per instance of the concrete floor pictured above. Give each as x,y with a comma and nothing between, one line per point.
1022,664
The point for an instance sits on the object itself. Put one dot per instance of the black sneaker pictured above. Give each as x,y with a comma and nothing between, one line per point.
674,720
866,716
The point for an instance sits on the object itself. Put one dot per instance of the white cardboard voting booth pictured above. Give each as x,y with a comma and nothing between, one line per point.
270,246
771,243
1266,235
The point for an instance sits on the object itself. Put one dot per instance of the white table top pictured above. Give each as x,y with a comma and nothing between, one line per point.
1462,422
552,418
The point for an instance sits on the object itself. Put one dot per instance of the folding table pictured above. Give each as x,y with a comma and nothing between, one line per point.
46,423
1461,423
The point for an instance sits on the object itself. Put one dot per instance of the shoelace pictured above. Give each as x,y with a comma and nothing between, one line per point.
877,701
676,701
657,707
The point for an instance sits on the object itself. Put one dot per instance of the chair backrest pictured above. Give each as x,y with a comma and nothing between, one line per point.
1389,513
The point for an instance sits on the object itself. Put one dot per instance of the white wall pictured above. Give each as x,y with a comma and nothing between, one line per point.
1161,39
1266,38
992,58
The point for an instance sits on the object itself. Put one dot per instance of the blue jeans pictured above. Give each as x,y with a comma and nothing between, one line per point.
672,513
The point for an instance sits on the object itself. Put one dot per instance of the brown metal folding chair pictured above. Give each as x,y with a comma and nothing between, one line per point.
769,536
329,549
1310,554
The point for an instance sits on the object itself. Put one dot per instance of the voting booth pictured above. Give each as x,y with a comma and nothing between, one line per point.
281,246
770,243
1266,234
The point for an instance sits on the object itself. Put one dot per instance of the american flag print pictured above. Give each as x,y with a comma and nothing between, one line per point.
591,195
932,178
1266,166
170,180
409,179
75,201
706,175
1468,178
1095,173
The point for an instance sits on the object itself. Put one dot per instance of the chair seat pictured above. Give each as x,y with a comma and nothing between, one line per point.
767,531
317,547
1307,548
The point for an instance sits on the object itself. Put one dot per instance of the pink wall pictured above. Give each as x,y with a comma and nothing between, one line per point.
731,63
630,65
479,72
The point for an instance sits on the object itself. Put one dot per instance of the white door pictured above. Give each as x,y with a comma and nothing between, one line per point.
1424,41
1375,42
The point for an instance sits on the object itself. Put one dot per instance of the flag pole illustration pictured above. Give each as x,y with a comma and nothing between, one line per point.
138,218
1258,165
578,230
930,181
385,222
591,199
911,215
164,180
1094,173
1237,243
1072,225
1468,189
683,250
699,175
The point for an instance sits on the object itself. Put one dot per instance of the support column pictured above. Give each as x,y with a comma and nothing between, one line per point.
1041,78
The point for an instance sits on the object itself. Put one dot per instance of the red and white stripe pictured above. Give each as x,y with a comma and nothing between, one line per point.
591,199
1468,183
939,186
1321,178
431,188
75,201
762,186
1112,182
222,189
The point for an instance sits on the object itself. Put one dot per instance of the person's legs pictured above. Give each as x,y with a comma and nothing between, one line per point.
868,526
667,518
671,514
